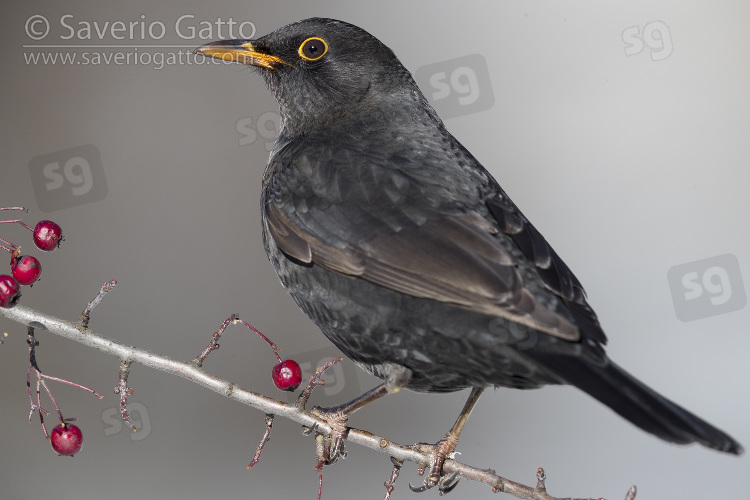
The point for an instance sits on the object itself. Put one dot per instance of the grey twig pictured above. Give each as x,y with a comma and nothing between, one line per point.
214,344
83,321
263,441
189,371
124,391
391,483
314,382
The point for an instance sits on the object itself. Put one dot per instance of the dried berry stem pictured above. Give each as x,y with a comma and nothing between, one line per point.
263,441
40,382
19,221
214,344
12,246
390,484
13,221
319,468
57,379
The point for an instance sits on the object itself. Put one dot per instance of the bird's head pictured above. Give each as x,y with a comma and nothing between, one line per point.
321,68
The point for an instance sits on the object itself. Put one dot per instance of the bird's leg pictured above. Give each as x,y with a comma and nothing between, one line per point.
443,448
338,416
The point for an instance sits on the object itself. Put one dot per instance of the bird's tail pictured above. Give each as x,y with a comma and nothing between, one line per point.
638,403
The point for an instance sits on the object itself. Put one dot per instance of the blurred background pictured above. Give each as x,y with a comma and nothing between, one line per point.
619,129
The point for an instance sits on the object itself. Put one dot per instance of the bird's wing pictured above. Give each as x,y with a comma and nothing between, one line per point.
553,271
453,259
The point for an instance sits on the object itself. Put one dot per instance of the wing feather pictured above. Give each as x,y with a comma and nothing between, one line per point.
454,260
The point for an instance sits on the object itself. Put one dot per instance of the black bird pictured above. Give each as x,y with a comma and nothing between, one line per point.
408,254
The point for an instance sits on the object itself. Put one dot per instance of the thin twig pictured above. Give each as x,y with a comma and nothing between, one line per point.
124,391
214,344
12,246
390,484
40,382
319,468
263,441
314,382
189,371
83,321
13,221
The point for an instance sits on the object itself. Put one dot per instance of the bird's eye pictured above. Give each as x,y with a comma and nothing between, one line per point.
313,49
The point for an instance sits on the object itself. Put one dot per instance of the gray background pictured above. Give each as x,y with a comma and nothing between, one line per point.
629,165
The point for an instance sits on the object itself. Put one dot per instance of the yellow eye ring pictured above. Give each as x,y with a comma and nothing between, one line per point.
313,49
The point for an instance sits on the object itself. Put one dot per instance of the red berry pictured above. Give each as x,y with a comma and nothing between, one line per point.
10,291
287,375
66,439
26,269
47,235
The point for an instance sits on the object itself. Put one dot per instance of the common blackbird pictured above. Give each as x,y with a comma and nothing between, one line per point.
408,254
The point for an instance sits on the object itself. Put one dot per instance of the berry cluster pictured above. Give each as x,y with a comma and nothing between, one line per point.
26,269
65,438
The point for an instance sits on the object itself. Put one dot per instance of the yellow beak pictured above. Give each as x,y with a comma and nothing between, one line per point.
240,51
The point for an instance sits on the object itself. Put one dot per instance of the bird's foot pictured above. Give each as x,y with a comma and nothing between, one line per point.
440,451
337,417
444,449
330,447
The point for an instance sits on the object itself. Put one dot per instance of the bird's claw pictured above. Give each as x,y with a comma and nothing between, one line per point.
440,451
306,431
445,484
332,445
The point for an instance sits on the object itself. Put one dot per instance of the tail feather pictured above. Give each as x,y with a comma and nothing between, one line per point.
637,402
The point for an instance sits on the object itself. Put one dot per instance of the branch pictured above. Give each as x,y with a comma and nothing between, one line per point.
188,370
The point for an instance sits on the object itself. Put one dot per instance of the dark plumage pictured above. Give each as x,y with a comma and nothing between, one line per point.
406,252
